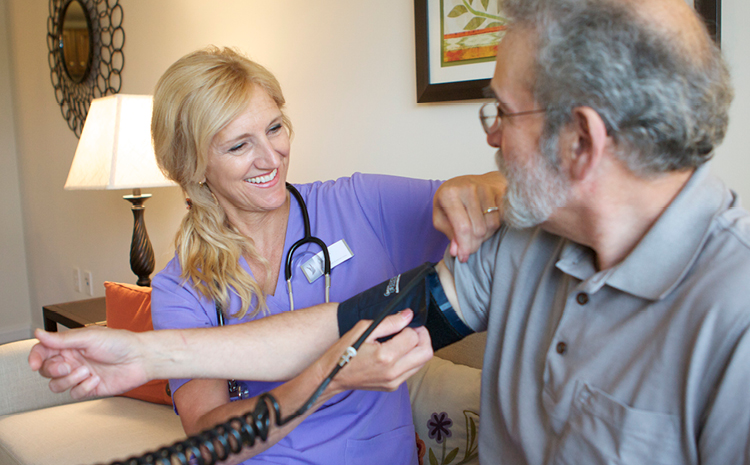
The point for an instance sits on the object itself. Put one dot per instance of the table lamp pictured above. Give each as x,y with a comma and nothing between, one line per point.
115,152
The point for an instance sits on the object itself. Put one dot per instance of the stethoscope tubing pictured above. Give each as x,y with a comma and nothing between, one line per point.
307,239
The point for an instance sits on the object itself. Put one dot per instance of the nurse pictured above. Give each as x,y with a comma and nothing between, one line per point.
220,132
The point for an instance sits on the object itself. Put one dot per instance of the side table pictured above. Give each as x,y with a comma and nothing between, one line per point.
75,314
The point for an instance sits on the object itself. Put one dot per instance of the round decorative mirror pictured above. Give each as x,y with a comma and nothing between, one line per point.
85,40
76,41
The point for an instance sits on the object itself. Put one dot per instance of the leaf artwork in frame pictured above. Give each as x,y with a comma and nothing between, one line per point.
469,33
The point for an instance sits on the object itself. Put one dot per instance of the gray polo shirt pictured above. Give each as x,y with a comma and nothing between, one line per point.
644,363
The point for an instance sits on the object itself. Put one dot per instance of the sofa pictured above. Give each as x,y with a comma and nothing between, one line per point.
38,427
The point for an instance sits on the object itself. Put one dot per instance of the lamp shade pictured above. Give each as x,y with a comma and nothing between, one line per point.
115,150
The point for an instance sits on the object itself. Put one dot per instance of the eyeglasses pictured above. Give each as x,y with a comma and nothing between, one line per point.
491,115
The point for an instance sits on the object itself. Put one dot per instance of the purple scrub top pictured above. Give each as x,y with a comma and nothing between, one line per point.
387,223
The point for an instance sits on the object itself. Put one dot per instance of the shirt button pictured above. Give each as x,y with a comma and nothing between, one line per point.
582,298
561,348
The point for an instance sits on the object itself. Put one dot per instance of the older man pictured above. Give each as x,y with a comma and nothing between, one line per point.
615,295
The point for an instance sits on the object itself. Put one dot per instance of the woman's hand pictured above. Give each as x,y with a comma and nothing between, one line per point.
460,211
380,366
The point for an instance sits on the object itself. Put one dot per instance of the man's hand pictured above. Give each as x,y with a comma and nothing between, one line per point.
381,366
459,211
91,362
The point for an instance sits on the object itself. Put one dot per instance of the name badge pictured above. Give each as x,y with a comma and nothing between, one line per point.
339,253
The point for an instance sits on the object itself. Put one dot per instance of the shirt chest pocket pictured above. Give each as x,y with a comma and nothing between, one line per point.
602,430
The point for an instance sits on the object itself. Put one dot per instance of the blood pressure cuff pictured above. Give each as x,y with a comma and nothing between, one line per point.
426,299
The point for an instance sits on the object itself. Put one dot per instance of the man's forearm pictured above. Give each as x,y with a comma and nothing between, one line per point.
274,348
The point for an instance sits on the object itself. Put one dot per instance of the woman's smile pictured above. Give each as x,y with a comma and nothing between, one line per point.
264,178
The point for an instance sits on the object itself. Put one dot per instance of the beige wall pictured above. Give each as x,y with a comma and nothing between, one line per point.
15,315
732,161
348,71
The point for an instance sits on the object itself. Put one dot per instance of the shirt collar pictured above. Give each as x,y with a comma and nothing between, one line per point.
665,254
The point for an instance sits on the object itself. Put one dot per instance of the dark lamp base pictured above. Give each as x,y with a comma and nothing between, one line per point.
141,253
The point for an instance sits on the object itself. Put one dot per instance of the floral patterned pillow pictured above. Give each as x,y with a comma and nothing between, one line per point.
445,406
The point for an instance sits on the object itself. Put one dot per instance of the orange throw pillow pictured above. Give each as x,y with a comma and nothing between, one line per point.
129,307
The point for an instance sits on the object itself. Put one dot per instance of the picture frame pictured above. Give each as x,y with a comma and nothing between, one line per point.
434,90
710,10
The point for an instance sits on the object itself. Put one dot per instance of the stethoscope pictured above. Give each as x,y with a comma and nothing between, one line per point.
308,238
240,392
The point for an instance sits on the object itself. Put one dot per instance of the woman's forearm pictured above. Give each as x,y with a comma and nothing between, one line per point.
290,396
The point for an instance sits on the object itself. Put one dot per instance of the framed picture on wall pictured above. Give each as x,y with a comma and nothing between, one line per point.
456,43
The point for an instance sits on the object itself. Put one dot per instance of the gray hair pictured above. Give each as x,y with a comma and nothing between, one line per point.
665,109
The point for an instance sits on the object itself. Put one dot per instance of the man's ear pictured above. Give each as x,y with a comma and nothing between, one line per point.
589,136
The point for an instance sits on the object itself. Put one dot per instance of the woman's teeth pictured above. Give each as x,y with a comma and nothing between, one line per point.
262,179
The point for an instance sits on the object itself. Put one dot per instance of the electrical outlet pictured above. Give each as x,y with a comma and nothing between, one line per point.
88,283
77,279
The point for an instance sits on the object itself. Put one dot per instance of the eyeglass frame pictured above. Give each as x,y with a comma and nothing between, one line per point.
500,114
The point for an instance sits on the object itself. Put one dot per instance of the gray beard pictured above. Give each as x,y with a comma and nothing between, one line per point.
534,191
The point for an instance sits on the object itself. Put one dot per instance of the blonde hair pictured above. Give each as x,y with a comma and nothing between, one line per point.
195,99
